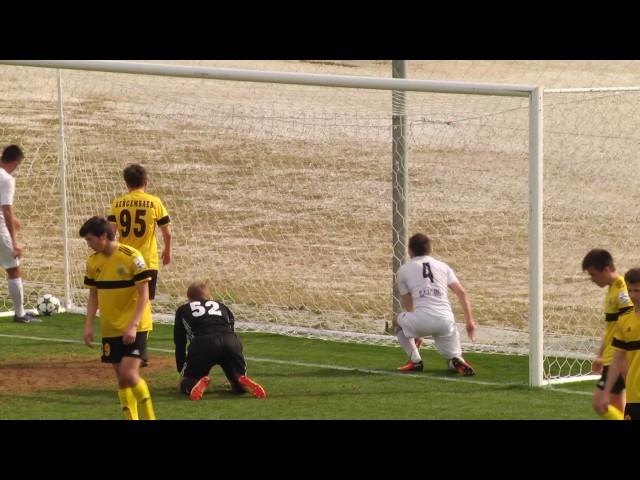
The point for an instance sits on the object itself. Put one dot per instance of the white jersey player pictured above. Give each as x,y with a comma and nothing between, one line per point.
423,284
10,250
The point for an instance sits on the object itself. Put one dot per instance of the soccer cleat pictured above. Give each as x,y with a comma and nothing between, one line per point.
198,389
461,366
26,318
411,367
252,387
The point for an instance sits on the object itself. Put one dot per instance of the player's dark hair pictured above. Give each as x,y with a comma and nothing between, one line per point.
12,153
197,290
135,176
97,226
420,244
632,276
599,259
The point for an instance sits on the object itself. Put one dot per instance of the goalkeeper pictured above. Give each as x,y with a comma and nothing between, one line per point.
209,327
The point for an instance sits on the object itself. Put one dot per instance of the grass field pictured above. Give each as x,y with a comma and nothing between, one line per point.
48,373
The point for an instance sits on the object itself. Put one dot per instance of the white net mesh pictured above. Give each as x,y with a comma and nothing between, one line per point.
591,154
280,196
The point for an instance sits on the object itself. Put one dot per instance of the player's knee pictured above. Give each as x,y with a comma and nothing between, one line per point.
128,379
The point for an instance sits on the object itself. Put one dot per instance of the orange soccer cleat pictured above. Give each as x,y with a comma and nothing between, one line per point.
199,388
411,367
252,387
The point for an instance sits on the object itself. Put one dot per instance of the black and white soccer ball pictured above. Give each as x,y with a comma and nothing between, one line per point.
48,304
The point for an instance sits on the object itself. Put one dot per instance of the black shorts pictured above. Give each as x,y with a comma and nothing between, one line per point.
152,283
113,349
632,411
209,350
618,387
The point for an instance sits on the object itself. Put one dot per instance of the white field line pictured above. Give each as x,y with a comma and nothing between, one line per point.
331,367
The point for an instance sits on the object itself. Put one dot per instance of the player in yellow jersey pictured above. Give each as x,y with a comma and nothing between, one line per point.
135,216
118,281
626,344
599,265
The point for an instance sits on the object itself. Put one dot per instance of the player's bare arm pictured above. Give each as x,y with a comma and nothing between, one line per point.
143,298
92,309
461,293
596,365
166,251
615,368
407,304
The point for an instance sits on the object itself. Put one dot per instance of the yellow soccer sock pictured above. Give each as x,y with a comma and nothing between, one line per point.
142,394
128,403
612,414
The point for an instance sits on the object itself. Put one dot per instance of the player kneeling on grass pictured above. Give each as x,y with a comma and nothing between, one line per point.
626,346
422,284
209,326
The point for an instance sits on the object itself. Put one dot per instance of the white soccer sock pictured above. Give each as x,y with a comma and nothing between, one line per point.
409,346
17,295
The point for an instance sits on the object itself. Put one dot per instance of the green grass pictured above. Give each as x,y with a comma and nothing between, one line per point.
305,379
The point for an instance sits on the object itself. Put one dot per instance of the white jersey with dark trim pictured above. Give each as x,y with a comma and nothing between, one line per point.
428,281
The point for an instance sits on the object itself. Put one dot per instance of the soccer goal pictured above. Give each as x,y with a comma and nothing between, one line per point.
293,193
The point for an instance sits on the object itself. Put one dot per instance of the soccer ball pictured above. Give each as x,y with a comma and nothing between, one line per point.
48,304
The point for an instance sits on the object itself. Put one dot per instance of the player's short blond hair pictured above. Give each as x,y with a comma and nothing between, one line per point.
198,290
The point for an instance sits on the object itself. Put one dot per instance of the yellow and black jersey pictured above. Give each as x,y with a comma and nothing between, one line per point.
116,277
136,215
627,338
616,303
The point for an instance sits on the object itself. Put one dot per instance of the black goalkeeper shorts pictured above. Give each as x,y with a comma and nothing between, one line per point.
209,350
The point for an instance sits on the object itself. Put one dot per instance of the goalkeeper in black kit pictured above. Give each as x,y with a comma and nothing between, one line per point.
209,328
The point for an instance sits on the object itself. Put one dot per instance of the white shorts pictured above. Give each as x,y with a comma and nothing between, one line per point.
443,331
7,260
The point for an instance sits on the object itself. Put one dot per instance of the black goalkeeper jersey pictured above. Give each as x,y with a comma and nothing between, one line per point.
199,318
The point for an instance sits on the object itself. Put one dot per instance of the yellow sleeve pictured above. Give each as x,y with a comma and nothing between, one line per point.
162,215
619,340
139,270
89,276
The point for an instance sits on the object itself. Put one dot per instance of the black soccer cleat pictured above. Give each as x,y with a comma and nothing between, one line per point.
461,366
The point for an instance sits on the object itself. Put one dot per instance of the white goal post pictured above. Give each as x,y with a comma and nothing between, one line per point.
85,183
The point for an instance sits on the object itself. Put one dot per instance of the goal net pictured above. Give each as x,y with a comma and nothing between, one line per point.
280,196
591,152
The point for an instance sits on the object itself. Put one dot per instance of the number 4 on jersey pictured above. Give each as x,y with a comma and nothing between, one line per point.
426,271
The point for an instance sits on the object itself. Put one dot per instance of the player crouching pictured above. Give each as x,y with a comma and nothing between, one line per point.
209,327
